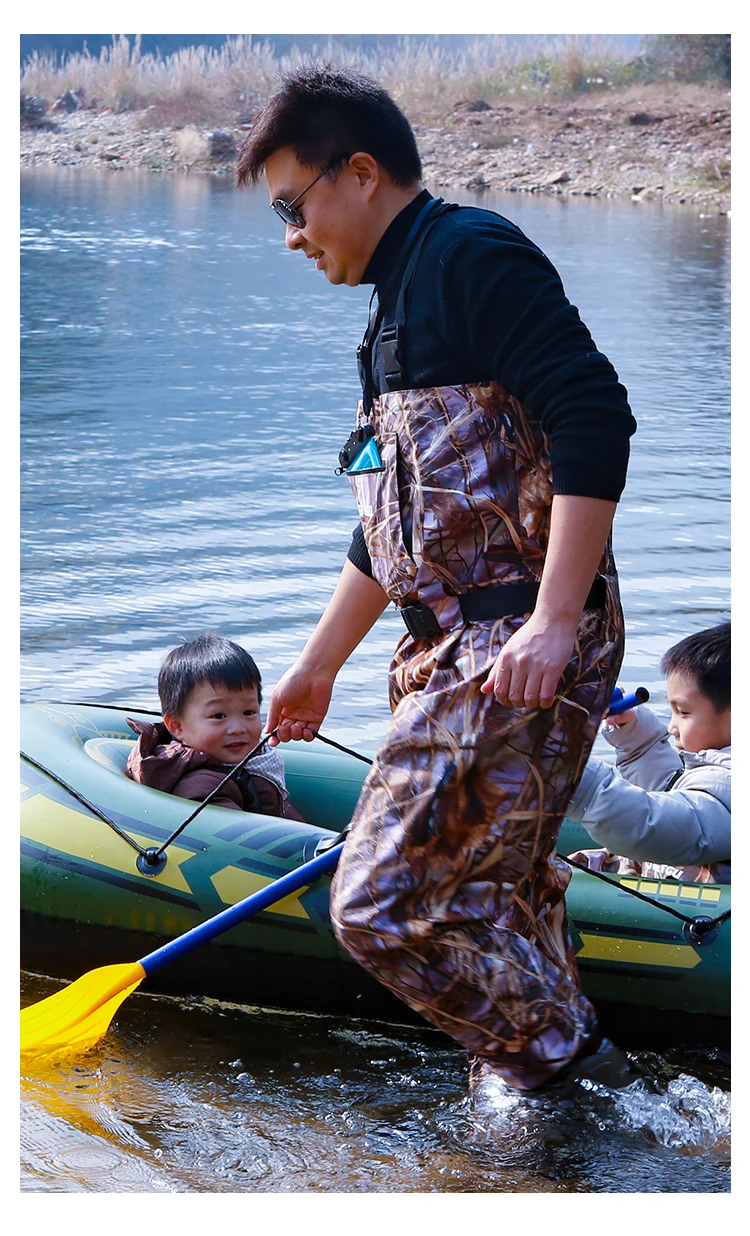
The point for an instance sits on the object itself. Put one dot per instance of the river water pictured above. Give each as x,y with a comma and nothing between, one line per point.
186,385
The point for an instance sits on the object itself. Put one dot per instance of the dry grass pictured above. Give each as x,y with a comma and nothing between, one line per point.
204,86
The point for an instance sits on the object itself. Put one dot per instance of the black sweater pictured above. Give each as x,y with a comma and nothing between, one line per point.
485,303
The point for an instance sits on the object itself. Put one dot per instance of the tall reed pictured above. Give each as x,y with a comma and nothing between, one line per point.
203,85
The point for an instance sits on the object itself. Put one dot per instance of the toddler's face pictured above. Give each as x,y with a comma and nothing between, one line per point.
222,723
695,723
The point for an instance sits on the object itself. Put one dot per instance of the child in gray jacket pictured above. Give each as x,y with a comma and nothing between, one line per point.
667,808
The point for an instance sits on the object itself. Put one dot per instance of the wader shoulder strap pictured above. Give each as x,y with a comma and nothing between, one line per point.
431,211
392,335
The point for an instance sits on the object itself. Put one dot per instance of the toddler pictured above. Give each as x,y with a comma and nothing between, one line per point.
210,692
668,808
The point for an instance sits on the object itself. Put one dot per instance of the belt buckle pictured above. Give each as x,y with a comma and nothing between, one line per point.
420,621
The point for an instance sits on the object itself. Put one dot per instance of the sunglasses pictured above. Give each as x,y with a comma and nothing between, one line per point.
286,211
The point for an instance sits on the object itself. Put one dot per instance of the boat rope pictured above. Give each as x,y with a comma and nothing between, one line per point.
81,799
152,859
157,852
347,750
708,925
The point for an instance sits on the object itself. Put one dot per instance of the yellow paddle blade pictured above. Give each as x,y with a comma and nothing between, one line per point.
77,1017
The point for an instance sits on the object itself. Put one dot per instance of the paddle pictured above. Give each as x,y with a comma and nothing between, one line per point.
79,1015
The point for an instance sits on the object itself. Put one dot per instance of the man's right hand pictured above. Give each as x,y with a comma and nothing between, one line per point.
298,705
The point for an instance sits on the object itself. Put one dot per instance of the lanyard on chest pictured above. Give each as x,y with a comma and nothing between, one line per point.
361,453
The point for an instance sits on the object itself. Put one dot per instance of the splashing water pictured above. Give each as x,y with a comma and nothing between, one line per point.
688,1113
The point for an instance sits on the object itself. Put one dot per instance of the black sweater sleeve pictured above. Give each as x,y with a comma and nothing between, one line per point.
507,301
358,553
486,303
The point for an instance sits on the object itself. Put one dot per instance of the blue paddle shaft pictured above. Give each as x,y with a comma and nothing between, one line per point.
292,882
621,703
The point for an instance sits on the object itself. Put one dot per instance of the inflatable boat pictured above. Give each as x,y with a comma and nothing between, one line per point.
98,885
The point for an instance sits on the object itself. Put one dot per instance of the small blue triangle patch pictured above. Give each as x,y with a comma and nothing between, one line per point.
368,459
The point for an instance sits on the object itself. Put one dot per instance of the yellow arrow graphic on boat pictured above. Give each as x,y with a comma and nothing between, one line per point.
233,885
81,836
637,952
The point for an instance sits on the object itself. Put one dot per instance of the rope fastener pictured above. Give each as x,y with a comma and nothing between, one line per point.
702,929
152,862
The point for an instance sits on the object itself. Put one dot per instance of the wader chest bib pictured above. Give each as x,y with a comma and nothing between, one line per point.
448,889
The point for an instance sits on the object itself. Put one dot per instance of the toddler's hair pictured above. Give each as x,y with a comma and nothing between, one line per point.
706,657
209,658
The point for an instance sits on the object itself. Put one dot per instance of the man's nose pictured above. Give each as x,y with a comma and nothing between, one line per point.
673,727
293,238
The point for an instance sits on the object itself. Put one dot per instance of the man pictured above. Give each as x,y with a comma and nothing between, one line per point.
489,454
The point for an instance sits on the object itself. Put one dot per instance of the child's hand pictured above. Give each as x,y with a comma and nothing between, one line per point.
620,718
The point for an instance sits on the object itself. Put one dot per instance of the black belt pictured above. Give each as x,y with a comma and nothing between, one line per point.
494,601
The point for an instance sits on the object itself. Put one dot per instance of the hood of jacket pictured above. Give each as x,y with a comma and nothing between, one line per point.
159,760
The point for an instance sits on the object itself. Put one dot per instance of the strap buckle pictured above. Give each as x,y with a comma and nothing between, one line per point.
390,339
420,620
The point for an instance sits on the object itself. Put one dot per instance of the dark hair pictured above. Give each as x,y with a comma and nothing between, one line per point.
325,113
707,658
209,658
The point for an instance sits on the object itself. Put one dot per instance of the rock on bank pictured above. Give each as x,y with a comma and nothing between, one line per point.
670,144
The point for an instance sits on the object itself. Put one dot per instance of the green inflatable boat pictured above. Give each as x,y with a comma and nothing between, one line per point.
655,964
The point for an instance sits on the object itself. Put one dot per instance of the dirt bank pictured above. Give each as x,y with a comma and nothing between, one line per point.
671,144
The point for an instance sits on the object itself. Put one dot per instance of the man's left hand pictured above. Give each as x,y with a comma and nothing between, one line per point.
529,667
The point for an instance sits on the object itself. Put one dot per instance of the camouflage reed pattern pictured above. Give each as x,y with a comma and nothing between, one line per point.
448,890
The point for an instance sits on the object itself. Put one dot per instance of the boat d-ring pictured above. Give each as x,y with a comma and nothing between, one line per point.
701,930
151,862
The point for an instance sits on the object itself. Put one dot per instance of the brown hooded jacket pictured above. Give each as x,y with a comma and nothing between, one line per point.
163,763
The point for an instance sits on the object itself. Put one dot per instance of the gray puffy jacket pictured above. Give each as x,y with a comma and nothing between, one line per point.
658,806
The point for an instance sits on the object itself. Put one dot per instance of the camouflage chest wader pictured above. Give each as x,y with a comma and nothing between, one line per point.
448,890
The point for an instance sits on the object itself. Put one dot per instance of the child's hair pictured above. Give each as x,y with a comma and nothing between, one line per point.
209,658
707,658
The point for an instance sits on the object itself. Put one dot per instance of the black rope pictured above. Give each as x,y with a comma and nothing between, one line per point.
347,750
149,712
157,852
632,891
75,794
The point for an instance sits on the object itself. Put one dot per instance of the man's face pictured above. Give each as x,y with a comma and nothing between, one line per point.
341,231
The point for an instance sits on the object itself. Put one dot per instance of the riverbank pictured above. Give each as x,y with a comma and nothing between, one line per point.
668,143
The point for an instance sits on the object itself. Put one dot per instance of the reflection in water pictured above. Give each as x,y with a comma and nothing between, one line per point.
187,383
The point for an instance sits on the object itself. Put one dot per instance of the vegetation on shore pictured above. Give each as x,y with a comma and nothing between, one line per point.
217,86
571,116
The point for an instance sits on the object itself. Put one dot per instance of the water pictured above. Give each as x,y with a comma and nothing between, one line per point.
186,386
207,1097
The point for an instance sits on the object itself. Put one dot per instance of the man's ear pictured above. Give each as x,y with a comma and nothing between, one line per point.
367,170
174,725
